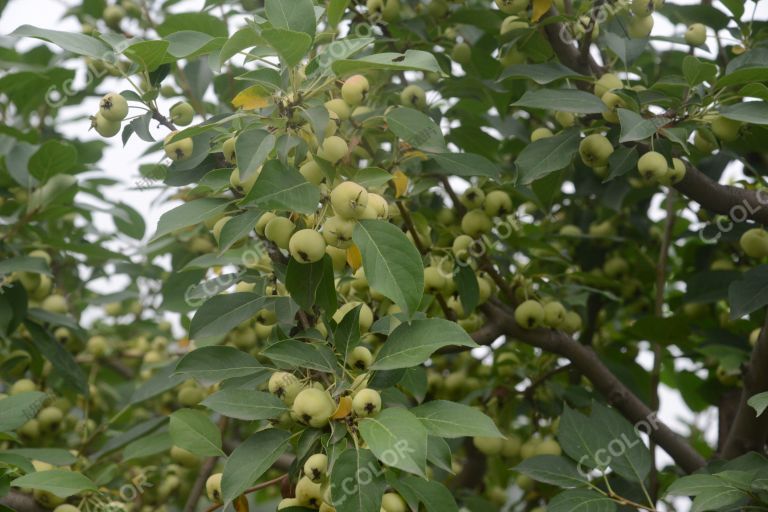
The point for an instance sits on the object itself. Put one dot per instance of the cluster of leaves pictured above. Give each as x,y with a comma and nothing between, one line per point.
319,321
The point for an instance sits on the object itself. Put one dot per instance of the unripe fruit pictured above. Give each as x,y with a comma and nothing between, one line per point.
554,314
462,247
113,107
413,96
367,402
337,232
312,172
392,502
183,457
216,230
354,90
309,493
565,119
640,26
548,446
285,386
338,107
595,150
182,113
512,23
472,198
541,133
55,304
675,174
512,6
50,418
379,206
696,35
488,445
97,346
497,202
307,246
349,200
652,165
47,499
607,82
530,314
113,15
213,487
66,508
104,126
179,150
190,396
475,223
228,148
754,243
703,142
313,407
261,224
333,149
288,503
726,129
360,358
434,280
244,187
316,466
572,322
612,101
462,53
22,386
365,319
510,447
279,231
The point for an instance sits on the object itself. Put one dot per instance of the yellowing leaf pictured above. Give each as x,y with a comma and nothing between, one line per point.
252,98
354,258
241,503
401,182
540,8
345,407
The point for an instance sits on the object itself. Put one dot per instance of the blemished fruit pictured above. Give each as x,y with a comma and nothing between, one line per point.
178,150
113,107
488,445
475,223
360,358
462,53
285,386
213,487
228,148
472,197
349,200
355,89
392,502
675,174
242,186
367,402
726,129
652,165
530,314
413,96
104,126
288,503
607,82
309,493
313,407
754,243
696,34
279,231
554,314
497,202
640,26
316,466
595,150
645,7
333,149
307,246
182,113
337,232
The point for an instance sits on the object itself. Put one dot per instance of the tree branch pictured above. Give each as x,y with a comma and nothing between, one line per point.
590,365
21,502
750,432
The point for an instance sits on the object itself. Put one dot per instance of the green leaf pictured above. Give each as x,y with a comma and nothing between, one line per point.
302,280
581,439
467,286
190,43
753,112
635,127
578,500
282,188
245,404
162,381
451,420
433,495
350,492
411,60
80,44
336,10
749,293
347,335
565,100
697,71
217,363
417,129
718,498
249,461
129,221
465,164
64,365
295,353
193,21
148,55
55,456
392,264
19,409
237,228
758,402
188,214
693,485
547,155
290,45
194,431
148,446
136,433
622,160
553,470
24,264
53,157
222,313
751,67
244,38
634,461
541,73
412,343
56,481
252,148
398,439
296,15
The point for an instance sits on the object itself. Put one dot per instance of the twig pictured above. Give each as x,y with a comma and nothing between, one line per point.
253,489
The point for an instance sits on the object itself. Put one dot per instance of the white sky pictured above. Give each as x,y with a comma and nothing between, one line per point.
122,163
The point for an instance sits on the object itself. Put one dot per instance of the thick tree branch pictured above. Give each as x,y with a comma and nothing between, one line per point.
750,432
568,53
589,364
21,502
